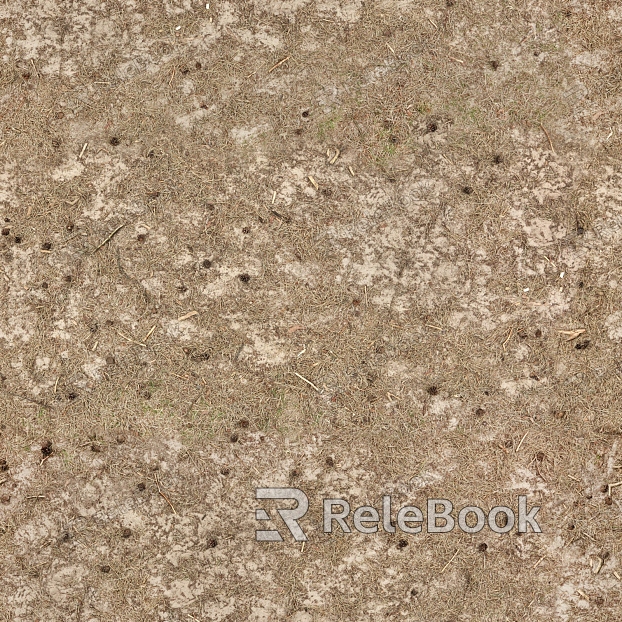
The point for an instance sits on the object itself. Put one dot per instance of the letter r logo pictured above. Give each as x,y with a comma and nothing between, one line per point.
290,517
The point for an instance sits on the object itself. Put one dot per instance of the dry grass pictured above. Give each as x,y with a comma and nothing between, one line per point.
418,288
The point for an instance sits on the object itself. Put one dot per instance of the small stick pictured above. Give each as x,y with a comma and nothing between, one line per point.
164,496
351,171
110,237
334,158
131,340
505,342
538,562
150,332
313,182
449,562
307,381
614,486
83,150
521,442
279,63
273,197
548,137
280,216
187,316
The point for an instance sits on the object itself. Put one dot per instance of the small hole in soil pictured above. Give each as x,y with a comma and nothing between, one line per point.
480,412
330,462
46,448
225,471
17,239
234,438
126,532
243,423
198,65
305,113
402,544
433,390
6,231
482,547
114,141
70,227
495,64
295,473
212,543
141,237
141,486
498,159
246,230
245,278
432,126
105,569
467,190
46,246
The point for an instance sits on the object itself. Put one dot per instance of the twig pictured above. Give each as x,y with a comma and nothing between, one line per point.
131,340
548,137
150,332
110,237
307,381
279,63
508,338
521,442
163,495
449,562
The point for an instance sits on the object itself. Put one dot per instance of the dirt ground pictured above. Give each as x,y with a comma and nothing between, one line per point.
359,248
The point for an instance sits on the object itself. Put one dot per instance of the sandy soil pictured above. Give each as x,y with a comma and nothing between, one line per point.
358,248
